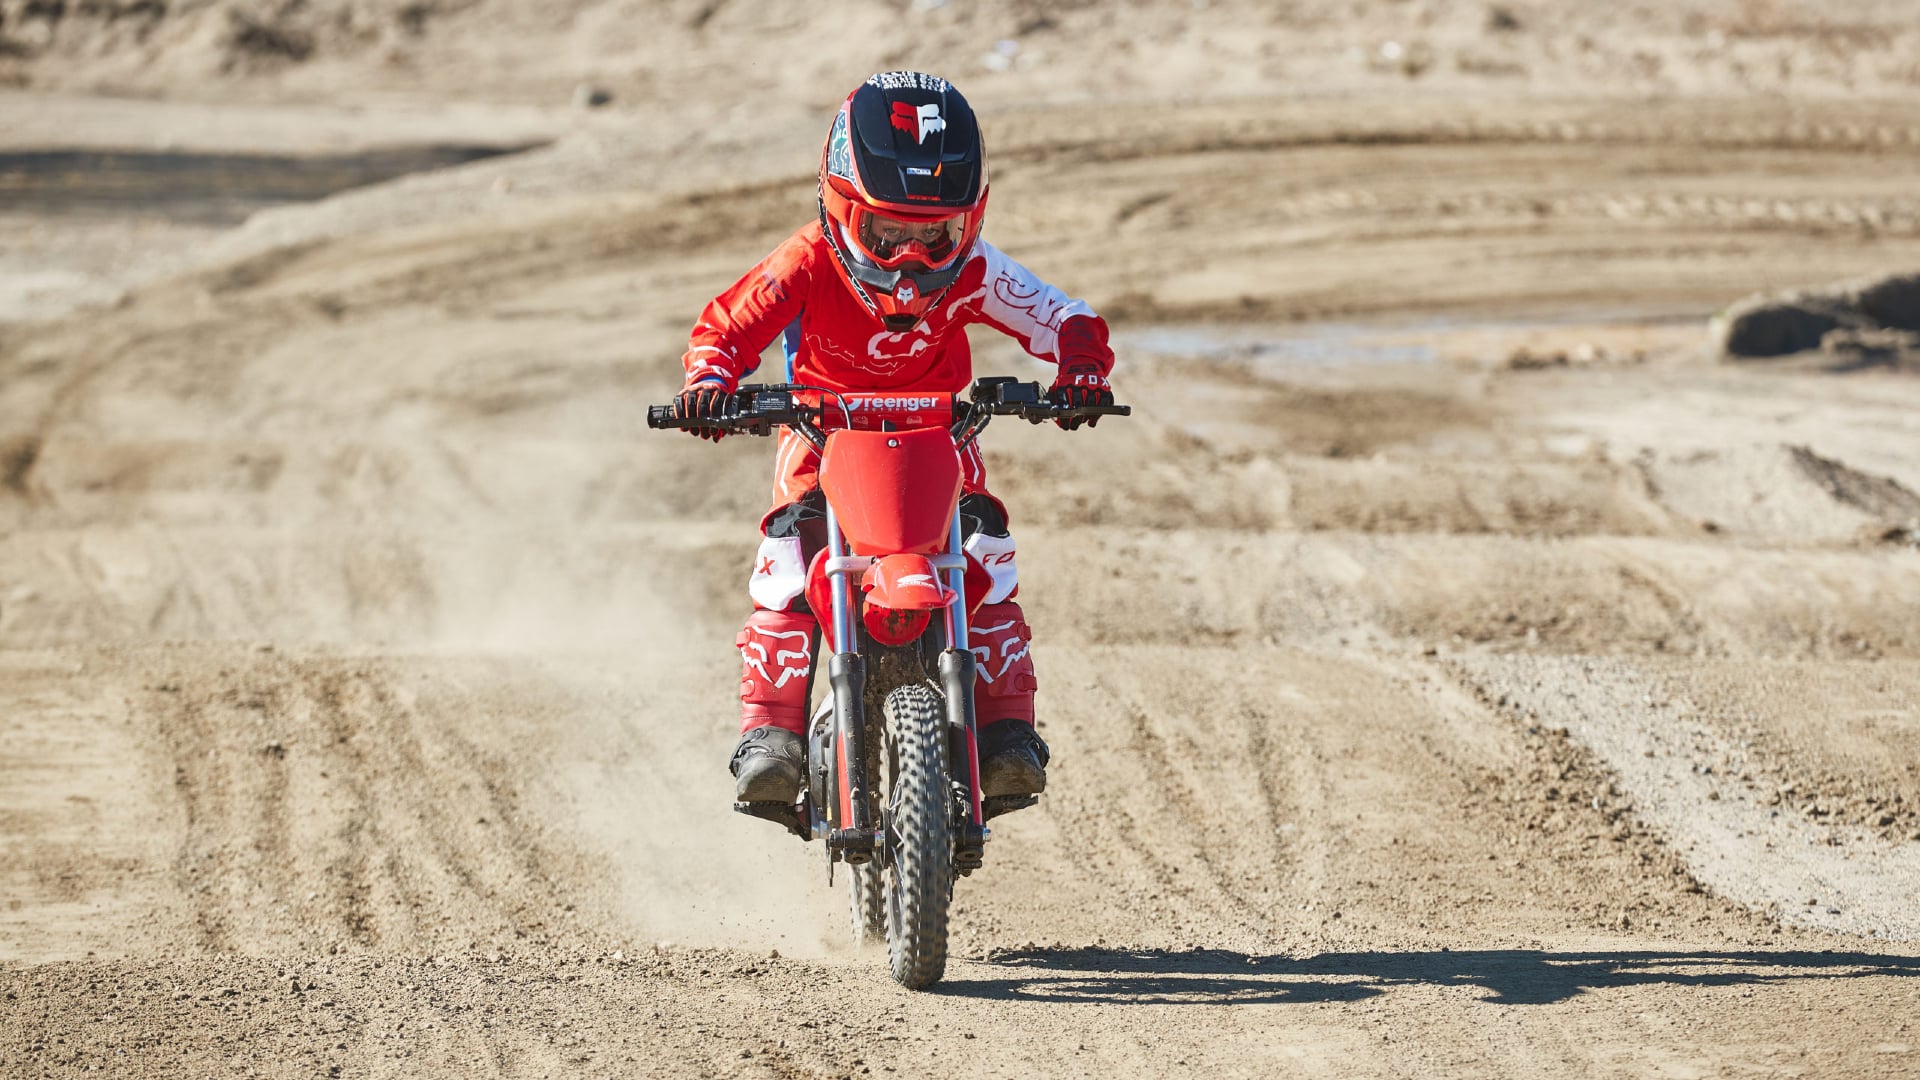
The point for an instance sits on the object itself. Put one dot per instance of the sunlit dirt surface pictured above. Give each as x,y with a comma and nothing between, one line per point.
1451,668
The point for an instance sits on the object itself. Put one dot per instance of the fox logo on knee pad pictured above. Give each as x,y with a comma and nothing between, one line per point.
1004,688
776,656
1013,759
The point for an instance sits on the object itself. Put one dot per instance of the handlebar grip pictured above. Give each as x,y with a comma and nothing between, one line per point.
660,416
1066,412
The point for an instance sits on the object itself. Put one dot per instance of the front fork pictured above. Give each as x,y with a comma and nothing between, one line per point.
957,672
847,676
956,680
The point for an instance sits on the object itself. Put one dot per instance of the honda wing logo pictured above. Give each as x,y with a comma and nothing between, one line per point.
911,581
918,121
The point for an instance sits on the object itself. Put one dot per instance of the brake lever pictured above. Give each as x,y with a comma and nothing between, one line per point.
970,426
815,438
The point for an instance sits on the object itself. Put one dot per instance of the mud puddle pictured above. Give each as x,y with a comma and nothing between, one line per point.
1317,346
1307,347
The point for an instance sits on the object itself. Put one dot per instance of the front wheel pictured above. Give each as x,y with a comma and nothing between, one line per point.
920,832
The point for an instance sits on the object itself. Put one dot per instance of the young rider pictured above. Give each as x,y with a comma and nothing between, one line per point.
875,296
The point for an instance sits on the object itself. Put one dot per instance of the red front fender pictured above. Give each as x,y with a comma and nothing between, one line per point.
905,583
902,592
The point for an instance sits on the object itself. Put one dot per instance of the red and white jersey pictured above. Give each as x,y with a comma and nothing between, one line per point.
834,342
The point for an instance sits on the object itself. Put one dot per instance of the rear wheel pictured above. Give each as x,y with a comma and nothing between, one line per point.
867,896
919,806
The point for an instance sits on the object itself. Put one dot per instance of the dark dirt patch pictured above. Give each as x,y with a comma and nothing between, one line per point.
1344,423
18,455
210,189
1881,496
1894,302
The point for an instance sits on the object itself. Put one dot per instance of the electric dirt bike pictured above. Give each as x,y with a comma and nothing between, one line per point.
892,778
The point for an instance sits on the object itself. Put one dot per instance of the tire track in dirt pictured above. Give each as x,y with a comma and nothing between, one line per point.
316,791
1689,784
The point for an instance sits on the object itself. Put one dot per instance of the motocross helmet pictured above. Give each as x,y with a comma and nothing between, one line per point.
903,188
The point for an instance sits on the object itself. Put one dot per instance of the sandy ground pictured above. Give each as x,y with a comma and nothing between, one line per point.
1452,669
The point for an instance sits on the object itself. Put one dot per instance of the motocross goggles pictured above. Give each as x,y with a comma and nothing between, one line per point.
892,242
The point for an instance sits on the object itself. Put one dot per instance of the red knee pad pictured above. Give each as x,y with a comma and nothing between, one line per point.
1003,688
776,653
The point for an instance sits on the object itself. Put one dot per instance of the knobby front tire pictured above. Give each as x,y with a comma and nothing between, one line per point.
920,801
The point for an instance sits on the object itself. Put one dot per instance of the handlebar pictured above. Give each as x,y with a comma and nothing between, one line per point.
759,409
750,410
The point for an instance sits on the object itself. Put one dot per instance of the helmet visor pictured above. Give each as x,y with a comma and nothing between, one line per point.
893,242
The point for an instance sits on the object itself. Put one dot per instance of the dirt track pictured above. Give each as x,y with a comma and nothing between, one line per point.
1483,682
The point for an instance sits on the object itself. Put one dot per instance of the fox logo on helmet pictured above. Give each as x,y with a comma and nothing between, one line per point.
918,121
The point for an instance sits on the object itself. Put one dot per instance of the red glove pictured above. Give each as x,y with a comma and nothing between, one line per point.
1079,384
704,400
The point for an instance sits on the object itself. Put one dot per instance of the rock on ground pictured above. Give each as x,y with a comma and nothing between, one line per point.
1785,323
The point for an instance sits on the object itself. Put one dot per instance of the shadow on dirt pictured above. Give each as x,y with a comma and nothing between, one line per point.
1509,976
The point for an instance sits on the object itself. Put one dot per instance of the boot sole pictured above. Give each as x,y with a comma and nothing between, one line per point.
769,785
1011,778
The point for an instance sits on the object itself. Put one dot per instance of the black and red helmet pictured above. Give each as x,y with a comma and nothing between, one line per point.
903,188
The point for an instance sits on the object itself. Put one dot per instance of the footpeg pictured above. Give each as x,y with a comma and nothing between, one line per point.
970,850
780,813
853,846
995,805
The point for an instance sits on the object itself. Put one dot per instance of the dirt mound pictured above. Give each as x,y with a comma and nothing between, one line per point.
1779,492
1780,325
1881,497
1893,302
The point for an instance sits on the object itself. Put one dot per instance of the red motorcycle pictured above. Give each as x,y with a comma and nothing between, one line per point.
892,761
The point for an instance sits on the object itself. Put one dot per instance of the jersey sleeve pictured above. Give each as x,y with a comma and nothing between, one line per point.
738,324
1045,321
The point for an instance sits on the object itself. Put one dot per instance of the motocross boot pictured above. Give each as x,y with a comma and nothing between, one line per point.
1013,759
767,764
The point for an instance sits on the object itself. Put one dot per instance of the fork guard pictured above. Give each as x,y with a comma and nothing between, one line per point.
847,674
957,673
